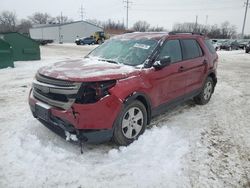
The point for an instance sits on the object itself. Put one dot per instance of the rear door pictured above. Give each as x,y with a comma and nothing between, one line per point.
195,64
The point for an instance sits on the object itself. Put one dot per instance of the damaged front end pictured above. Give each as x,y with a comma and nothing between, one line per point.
78,112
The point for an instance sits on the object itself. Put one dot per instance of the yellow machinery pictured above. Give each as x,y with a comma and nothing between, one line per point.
100,37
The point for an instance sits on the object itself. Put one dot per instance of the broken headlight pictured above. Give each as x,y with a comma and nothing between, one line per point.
91,92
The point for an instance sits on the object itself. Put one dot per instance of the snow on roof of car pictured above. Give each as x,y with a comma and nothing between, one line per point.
142,35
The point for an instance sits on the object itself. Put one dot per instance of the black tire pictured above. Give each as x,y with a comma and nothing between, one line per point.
247,50
99,41
203,97
119,136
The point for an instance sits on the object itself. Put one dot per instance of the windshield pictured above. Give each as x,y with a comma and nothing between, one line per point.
128,52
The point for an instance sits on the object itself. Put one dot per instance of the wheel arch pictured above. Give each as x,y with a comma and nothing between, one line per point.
144,99
213,76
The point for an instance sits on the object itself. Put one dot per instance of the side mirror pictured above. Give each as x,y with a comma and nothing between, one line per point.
163,62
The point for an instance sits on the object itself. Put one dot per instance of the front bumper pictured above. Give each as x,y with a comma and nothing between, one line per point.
92,136
92,123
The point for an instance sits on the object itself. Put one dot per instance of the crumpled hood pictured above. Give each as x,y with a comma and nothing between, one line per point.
88,70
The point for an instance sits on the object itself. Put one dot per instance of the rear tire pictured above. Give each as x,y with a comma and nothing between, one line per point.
130,123
206,93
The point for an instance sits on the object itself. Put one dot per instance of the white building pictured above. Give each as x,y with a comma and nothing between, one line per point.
61,33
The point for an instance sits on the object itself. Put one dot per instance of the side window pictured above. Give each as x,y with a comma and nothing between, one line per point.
210,46
191,49
172,49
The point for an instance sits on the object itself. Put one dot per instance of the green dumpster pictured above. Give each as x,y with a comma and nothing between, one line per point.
6,59
24,48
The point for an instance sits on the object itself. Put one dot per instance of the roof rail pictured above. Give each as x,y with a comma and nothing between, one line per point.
191,33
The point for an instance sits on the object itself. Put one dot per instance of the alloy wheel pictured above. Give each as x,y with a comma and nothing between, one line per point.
132,122
208,90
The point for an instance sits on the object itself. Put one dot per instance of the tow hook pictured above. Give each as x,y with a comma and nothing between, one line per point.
70,136
73,137
81,140
81,146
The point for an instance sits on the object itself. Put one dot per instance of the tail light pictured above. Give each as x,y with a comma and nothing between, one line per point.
93,91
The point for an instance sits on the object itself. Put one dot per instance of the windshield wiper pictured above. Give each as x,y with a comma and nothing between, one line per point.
109,60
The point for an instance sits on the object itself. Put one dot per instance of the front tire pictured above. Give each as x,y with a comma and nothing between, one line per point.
130,123
206,93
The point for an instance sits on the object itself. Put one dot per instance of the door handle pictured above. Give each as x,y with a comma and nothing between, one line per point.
181,69
205,61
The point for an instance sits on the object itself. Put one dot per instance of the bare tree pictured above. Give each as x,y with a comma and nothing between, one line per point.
247,37
110,24
95,21
141,26
62,19
24,26
156,29
8,21
214,31
41,18
224,31
185,27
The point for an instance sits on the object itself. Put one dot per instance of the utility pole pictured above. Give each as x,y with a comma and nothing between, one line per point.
81,12
127,2
59,30
61,19
245,17
196,22
206,19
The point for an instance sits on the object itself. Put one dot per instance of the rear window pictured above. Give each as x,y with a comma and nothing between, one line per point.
191,49
210,46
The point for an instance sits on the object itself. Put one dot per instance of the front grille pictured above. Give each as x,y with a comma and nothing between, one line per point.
53,81
58,93
53,96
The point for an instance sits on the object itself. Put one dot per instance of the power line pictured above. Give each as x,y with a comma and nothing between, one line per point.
127,3
182,9
244,22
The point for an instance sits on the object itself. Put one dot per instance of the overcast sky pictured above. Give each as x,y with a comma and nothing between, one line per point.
157,12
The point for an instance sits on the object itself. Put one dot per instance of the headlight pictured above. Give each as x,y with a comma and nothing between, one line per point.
93,91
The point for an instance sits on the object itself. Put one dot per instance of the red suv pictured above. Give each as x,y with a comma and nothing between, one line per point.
114,91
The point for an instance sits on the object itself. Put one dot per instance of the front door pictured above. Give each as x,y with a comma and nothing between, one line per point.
169,82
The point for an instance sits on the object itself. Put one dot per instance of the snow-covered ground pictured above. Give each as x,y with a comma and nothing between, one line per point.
190,146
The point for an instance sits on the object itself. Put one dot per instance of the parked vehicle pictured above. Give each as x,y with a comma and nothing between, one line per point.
230,45
115,91
44,42
243,43
87,40
216,44
247,49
